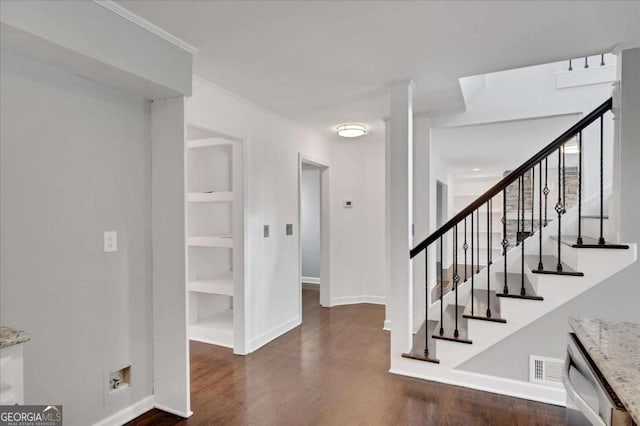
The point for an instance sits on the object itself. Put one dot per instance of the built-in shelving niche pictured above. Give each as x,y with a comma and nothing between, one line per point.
214,235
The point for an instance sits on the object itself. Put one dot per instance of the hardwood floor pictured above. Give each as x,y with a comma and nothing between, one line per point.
332,370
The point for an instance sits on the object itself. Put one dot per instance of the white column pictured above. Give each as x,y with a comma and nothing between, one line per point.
399,220
629,144
614,199
387,228
421,213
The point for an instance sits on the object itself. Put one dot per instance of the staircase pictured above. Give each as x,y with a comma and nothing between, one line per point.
559,247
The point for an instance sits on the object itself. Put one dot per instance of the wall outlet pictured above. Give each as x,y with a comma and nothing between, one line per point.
110,241
289,229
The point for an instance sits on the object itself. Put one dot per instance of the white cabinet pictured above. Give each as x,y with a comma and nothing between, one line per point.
214,243
11,375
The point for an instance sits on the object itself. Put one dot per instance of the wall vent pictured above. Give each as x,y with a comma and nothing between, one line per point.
545,371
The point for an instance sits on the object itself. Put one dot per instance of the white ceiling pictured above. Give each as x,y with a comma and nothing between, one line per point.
497,146
326,62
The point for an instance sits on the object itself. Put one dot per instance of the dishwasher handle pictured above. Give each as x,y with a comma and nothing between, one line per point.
577,399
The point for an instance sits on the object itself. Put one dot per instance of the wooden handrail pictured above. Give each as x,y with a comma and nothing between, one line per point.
511,177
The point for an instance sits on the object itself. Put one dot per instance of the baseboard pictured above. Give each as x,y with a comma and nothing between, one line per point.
128,413
274,333
352,300
310,280
387,325
493,384
172,411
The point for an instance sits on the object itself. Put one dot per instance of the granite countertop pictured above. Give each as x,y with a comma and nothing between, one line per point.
10,336
614,346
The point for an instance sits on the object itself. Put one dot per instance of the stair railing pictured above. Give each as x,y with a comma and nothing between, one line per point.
513,190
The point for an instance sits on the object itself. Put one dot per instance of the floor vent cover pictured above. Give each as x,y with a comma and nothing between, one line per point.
545,371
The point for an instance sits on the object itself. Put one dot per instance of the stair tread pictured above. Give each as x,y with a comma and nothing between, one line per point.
480,306
449,324
588,242
549,262
514,285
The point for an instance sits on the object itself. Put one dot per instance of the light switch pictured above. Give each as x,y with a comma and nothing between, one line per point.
110,241
289,229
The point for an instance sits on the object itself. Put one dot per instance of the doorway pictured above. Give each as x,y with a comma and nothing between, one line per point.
313,217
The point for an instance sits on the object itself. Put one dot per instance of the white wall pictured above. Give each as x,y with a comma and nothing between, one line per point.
271,190
310,222
75,161
358,233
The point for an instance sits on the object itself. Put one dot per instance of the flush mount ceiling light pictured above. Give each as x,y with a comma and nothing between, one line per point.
476,170
351,130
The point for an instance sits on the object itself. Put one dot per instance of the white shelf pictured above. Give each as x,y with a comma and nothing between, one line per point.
222,284
216,329
210,197
203,143
211,241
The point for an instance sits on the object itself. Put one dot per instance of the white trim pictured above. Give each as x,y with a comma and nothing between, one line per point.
497,385
172,411
128,413
143,23
387,325
352,300
310,280
274,333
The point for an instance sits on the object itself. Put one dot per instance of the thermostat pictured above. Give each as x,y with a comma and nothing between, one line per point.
347,204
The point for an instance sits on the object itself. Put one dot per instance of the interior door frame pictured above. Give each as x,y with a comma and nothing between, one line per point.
325,227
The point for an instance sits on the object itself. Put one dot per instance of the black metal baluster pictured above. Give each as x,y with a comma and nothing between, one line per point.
456,277
472,270
522,291
586,62
570,66
505,240
465,246
518,235
522,230
546,189
602,64
441,287
579,241
488,261
559,207
601,239
426,302
478,240
540,265
564,178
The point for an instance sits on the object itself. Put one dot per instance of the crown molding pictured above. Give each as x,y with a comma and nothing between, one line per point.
143,23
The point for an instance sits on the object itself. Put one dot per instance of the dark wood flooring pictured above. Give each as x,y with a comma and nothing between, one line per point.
333,370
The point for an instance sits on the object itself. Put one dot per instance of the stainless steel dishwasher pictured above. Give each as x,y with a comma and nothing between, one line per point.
590,399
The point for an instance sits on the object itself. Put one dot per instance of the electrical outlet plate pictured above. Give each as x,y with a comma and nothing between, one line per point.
289,229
